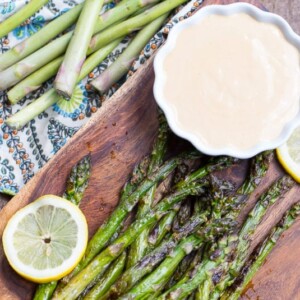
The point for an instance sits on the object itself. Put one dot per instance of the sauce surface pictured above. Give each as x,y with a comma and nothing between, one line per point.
232,81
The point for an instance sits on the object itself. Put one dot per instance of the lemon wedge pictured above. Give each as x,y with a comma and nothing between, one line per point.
46,239
289,155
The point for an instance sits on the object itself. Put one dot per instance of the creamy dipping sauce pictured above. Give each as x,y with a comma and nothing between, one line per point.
232,81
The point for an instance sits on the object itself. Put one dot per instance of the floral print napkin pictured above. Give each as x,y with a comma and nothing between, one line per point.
25,151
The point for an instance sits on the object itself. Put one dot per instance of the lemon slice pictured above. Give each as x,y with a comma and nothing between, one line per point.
45,240
289,155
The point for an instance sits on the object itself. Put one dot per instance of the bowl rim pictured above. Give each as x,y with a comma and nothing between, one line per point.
160,77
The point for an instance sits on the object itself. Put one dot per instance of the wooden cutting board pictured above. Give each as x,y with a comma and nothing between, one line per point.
117,137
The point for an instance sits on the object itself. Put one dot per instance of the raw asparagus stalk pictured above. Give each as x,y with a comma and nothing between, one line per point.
108,279
287,221
133,24
140,245
191,185
229,246
122,65
29,64
75,187
40,38
34,81
20,16
32,110
52,50
154,283
69,71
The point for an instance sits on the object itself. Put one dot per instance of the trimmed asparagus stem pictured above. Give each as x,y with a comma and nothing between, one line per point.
69,71
40,38
287,221
133,24
230,246
108,279
140,245
57,47
154,283
122,65
31,63
189,186
75,187
22,117
34,81
20,16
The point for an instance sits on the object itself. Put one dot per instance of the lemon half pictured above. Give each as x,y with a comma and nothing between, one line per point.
289,155
46,239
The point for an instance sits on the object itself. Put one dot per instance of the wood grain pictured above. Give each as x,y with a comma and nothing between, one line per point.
117,137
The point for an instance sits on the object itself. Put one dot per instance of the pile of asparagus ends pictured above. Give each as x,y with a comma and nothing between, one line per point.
174,233
73,55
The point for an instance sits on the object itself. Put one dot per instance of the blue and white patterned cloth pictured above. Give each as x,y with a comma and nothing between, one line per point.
25,151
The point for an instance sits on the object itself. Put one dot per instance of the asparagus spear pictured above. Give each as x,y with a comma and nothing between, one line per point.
108,279
75,55
75,187
191,185
287,221
154,283
32,110
140,245
133,24
34,81
160,231
143,267
229,246
122,65
20,16
52,50
40,38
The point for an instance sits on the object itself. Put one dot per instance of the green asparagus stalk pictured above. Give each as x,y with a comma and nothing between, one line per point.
148,263
75,187
78,181
32,110
230,246
108,279
34,81
267,246
191,185
122,65
154,283
140,245
106,230
76,53
229,208
52,50
163,227
20,16
143,267
40,38
133,24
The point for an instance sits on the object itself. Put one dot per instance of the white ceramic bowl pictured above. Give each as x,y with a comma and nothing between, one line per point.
160,77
